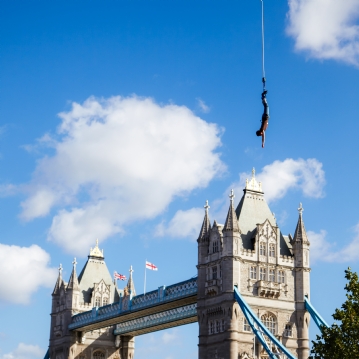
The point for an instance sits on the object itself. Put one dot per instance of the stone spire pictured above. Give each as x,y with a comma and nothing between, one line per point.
96,252
59,281
206,225
73,281
130,284
231,223
300,235
252,184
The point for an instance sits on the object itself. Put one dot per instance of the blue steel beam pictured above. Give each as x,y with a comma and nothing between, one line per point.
260,330
319,321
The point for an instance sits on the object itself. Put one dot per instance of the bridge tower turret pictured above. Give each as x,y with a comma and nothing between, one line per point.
301,245
218,272
93,288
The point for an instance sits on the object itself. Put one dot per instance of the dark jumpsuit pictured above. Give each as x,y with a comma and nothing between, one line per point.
265,116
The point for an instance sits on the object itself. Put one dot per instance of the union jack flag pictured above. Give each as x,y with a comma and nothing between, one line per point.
119,276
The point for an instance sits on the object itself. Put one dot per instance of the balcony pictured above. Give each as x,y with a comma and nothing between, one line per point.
268,289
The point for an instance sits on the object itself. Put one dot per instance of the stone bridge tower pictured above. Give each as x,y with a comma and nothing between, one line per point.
271,271
93,287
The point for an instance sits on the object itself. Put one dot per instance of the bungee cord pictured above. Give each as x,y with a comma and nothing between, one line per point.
265,116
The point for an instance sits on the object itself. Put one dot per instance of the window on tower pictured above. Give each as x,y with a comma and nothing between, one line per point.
97,302
270,322
280,276
211,328
288,330
105,301
246,326
262,249
271,250
98,355
214,272
253,272
262,274
215,247
218,326
272,275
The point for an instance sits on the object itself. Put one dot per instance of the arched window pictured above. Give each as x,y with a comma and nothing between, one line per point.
270,322
218,326
211,328
98,355
105,301
262,249
271,250
97,301
215,246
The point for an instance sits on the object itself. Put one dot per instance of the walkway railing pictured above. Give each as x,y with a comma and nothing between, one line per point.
139,302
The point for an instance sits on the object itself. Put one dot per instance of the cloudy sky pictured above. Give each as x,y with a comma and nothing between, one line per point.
120,119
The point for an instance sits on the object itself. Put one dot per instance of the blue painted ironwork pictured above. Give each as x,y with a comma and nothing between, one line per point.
152,320
47,355
319,321
127,305
271,344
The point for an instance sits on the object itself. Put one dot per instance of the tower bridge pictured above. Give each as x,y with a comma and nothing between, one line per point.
92,318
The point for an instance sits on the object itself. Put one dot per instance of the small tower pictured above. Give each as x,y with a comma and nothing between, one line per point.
203,238
301,245
92,288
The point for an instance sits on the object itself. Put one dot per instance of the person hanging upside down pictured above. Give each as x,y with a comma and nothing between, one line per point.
265,118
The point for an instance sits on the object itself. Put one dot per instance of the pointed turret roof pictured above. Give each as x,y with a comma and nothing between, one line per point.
206,225
231,223
73,281
300,234
59,281
252,210
130,284
94,271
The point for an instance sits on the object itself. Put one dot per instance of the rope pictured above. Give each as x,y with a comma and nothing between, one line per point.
263,69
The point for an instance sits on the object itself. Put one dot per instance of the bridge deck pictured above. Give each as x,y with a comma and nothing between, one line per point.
143,312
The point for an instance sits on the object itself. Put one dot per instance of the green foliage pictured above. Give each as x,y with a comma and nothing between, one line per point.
341,340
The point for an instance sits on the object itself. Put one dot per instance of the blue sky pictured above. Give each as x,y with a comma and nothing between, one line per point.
120,118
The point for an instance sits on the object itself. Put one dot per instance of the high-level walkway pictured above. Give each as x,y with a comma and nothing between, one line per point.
159,309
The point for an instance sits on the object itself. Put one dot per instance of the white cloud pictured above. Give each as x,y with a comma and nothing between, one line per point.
277,179
118,160
170,336
202,105
281,176
23,270
25,351
322,250
184,224
325,29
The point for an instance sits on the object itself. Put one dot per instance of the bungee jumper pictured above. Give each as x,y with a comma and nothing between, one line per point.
265,116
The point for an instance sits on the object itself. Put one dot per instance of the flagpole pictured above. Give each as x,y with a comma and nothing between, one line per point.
144,288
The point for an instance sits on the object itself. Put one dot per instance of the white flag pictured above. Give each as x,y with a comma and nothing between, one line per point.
151,266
